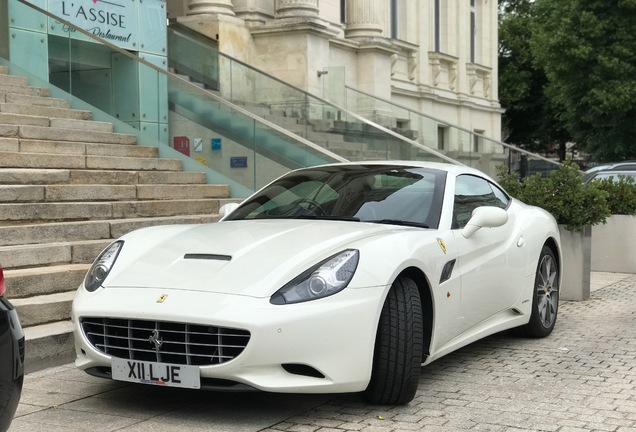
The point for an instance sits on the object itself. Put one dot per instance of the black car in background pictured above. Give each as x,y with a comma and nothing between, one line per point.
11,359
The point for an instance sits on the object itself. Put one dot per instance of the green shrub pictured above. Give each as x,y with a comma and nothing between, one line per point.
563,194
621,194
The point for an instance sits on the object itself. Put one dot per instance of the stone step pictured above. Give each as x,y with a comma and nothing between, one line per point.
105,210
86,177
35,160
45,254
98,192
28,255
130,216
135,177
171,177
12,80
44,309
44,111
163,192
17,193
33,99
129,163
23,119
77,252
47,160
76,135
49,345
28,176
8,89
85,125
10,131
38,281
93,149
34,176
9,144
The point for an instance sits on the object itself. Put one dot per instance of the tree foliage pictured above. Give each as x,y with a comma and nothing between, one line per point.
587,49
529,120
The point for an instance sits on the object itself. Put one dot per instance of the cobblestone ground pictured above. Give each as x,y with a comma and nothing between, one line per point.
581,378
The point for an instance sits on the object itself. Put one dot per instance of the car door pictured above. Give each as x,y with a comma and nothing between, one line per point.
490,261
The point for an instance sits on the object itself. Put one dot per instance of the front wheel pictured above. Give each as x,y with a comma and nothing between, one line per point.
545,300
398,346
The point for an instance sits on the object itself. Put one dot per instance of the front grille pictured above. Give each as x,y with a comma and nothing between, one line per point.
165,342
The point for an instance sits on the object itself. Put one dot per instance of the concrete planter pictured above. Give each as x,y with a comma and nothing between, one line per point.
575,268
614,245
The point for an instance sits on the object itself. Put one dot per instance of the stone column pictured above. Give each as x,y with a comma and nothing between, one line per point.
210,7
296,8
364,18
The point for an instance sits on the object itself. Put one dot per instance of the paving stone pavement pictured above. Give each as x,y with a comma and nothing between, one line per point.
581,378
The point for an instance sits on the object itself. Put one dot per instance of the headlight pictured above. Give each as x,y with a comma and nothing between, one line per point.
322,280
101,267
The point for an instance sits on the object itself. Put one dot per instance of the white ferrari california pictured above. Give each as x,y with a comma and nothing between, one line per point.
337,278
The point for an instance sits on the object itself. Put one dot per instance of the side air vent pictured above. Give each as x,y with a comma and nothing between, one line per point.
207,257
447,271
302,369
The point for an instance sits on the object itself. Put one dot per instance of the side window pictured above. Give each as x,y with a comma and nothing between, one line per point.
472,192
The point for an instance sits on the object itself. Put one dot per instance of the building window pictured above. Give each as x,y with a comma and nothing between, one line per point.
442,137
393,13
343,11
477,137
438,26
473,31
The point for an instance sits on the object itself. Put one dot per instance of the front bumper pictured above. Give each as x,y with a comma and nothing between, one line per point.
334,336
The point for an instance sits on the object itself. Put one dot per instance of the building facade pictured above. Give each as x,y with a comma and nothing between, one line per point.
437,57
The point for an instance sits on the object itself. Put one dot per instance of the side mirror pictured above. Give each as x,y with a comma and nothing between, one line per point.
485,217
226,209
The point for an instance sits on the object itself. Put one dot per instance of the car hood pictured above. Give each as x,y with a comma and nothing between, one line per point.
251,258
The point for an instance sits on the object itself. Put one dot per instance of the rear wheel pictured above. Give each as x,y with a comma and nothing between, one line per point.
545,301
398,346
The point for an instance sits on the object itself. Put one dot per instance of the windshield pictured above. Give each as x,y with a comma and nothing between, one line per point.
368,193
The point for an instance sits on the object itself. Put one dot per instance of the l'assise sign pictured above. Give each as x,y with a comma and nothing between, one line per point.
112,20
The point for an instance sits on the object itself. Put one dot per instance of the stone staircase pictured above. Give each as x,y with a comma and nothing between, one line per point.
68,187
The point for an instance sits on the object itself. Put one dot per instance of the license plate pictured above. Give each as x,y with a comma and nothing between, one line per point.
163,374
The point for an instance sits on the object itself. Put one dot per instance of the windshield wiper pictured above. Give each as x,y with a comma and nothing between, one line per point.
399,222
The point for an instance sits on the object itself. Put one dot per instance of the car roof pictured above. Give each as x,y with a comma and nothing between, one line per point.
616,173
625,165
455,169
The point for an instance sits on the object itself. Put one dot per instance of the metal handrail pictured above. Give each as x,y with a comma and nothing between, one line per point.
508,146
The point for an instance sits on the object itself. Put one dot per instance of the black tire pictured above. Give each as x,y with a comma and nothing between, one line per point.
545,299
398,346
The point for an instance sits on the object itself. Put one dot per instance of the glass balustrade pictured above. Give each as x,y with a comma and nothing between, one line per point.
332,127
466,147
